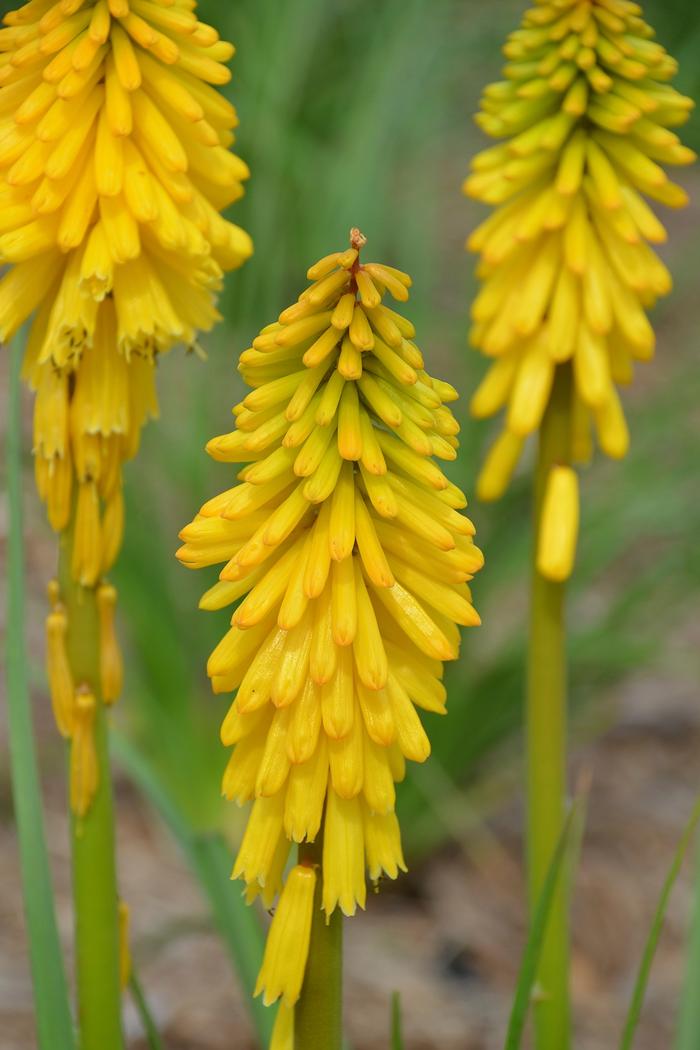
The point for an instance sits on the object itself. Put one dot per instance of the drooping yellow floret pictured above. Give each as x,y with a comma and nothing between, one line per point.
283,1030
287,948
558,533
125,968
348,560
114,167
58,669
585,111
84,769
111,665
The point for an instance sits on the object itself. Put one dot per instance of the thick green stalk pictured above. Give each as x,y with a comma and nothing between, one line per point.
318,1016
92,838
546,723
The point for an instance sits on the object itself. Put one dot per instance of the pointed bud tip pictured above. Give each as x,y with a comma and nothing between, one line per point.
357,238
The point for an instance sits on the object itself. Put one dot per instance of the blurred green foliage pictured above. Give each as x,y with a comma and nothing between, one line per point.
359,113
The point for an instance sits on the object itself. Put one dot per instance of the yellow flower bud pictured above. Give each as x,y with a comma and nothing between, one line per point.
111,668
112,529
61,687
53,593
87,549
124,950
558,535
283,1031
84,771
499,465
282,971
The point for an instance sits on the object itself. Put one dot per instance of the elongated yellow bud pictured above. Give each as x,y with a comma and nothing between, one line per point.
111,667
55,484
383,844
287,948
61,687
585,116
556,543
53,593
84,771
498,468
283,1031
112,529
87,548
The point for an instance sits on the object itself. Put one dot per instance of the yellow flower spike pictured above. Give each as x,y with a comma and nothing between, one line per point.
556,543
115,161
585,113
60,676
344,546
282,971
111,667
585,117
84,772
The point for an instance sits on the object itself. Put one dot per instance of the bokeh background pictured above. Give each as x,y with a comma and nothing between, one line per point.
358,112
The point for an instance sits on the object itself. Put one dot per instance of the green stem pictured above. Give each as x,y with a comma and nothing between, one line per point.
147,1020
318,1016
546,742
92,838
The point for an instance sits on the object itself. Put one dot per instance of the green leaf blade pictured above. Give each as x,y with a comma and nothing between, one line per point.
642,980
142,1008
566,846
689,1017
53,1016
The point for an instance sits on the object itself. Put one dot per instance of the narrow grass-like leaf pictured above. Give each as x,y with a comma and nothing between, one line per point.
53,1018
210,860
640,985
689,1018
528,968
396,1025
142,1008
